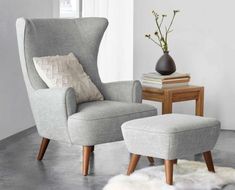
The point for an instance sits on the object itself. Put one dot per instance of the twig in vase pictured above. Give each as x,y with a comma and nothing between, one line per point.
162,39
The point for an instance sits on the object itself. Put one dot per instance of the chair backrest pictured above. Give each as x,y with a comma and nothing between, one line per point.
48,37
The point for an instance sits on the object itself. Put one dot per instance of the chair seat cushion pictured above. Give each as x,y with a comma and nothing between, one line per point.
171,136
100,121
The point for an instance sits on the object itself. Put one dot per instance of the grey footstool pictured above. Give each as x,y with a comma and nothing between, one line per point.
170,137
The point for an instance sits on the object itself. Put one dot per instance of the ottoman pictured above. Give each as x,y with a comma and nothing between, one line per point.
169,137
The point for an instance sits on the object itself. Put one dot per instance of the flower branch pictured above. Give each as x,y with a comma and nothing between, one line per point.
162,39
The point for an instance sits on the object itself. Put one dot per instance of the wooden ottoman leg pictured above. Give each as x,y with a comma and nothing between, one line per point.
151,160
209,161
133,163
92,148
169,164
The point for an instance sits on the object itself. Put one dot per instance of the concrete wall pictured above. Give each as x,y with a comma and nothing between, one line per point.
203,44
15,113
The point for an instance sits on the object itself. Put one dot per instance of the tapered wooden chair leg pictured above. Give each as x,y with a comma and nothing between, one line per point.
86,158
169,164
43,148
209,161
133,163
151,160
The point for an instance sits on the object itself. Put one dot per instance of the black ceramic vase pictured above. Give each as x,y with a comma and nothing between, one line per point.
165,64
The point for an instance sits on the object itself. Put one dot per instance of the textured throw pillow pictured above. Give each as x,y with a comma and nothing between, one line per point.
66,71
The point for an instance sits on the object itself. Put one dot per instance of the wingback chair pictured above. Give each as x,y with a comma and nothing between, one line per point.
56,113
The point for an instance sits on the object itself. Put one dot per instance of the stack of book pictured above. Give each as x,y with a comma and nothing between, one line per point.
157,80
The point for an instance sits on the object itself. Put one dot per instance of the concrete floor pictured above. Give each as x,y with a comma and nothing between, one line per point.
60,169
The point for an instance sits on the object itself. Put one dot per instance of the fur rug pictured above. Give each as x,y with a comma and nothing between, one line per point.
188,175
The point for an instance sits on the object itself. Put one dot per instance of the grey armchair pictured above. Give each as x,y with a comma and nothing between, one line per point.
55,111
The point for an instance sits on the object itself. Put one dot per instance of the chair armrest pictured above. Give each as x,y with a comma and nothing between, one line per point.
124,91
51,109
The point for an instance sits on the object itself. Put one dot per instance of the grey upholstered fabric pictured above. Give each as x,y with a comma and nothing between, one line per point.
48,37
100,121
52,107
171,136
125,91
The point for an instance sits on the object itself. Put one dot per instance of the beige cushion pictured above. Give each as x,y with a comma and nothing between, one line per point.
66,71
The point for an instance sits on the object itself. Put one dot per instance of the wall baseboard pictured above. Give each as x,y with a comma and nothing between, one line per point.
17,136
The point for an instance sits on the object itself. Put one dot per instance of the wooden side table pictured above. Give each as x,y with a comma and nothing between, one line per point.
176,94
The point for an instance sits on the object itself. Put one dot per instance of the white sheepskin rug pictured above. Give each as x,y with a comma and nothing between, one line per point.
188,175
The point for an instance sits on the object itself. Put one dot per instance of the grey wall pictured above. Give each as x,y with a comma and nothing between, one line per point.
15,113
203,44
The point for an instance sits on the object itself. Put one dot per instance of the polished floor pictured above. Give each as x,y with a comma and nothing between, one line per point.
60,169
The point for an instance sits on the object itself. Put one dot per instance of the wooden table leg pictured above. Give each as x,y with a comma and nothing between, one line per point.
199,111
167,103
200,103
